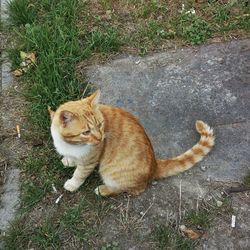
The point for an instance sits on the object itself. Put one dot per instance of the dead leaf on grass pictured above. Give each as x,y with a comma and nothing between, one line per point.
18,72
190,233
28,60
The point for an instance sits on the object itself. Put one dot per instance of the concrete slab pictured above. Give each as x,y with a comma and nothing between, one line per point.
169,91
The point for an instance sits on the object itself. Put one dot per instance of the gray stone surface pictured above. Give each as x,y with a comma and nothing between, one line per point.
6,76
4,9
10,198
169,91
9,115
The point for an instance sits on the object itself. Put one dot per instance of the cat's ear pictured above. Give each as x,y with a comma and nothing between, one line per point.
51,113
94,98
66,117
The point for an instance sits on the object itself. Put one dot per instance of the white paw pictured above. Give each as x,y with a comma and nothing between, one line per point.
97,192
71,185
68,162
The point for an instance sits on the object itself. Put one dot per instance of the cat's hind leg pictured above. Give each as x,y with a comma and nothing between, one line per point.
104,190
116,184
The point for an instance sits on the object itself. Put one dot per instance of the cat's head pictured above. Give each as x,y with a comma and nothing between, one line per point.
79,122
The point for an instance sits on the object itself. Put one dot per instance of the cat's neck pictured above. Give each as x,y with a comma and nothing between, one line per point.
67,149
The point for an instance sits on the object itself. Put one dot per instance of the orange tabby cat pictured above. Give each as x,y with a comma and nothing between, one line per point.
88,134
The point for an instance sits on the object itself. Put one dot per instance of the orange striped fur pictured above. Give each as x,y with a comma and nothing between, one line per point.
88,134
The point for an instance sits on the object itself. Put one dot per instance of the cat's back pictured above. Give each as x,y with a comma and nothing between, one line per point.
120,120
127,145
123,130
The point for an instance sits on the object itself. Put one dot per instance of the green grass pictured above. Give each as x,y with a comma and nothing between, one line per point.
104,41
41,223
52,81
201,218
154,31
222,13
111,246
192,28
54,36
74,221
47,236
17,234
152,8
166,237
21,12
231,16
40,169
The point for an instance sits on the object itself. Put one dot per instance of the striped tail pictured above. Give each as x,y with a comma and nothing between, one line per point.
187,160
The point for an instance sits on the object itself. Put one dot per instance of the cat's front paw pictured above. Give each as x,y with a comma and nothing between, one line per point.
68,162
71,185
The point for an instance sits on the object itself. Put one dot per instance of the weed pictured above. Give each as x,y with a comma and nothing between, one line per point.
104,41
167,237
244,19
16,234
41,169
21,12
154,31
226,208
200,218
106,4
73,221
222,13
14,55
111,246
20,234
192,28
32,193
47,235
152,8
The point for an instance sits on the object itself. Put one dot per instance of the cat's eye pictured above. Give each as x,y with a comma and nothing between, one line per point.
87,132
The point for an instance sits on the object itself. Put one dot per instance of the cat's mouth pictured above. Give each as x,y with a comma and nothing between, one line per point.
83,143
75,142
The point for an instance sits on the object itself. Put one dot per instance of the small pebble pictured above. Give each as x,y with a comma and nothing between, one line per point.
203,168
219,203
183,227
209,197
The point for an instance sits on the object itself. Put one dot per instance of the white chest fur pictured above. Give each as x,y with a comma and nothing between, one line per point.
66,149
